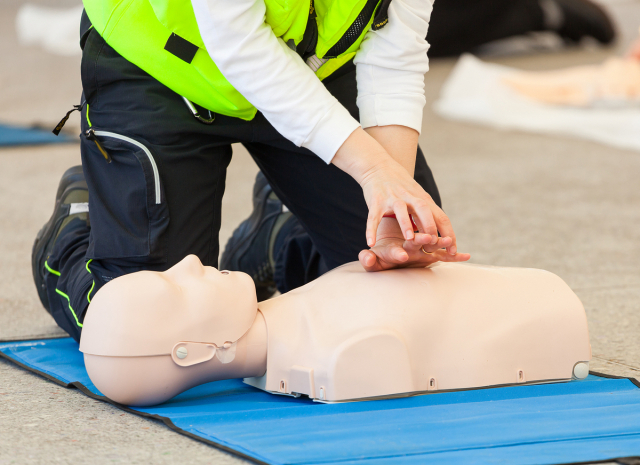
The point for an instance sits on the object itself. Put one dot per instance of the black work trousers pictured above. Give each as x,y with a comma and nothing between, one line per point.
160,197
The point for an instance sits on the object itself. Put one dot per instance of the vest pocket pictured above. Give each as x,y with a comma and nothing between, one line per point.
127,209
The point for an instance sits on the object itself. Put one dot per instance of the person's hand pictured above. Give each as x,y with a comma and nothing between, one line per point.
393,251
389,189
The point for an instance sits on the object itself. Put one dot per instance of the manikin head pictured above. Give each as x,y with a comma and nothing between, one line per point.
184,316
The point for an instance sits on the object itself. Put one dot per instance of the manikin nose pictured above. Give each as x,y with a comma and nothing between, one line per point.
190,264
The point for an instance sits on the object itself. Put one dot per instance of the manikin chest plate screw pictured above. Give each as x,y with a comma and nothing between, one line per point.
182,352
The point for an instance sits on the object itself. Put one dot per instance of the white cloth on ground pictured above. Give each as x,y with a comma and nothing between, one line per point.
474,92
54,29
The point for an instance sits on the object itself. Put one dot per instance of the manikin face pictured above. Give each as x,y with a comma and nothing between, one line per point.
199,287
147,313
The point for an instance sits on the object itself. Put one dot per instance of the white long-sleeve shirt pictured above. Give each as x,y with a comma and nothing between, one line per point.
390,68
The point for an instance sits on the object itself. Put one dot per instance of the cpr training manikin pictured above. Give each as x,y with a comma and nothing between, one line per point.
348,335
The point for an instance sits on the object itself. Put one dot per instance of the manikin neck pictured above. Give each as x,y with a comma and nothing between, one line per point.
251,353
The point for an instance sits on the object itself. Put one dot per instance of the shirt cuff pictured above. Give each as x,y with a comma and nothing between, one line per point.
330,132
391,109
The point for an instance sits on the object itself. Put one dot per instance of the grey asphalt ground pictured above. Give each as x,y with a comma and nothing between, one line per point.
516,199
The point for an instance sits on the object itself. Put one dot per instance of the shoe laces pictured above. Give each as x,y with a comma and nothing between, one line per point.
264,273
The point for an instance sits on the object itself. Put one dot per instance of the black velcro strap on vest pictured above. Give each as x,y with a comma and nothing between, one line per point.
181,48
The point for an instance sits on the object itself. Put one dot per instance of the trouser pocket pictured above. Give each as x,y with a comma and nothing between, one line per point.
127,209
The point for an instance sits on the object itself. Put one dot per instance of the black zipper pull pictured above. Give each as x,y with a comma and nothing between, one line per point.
63,121
91,135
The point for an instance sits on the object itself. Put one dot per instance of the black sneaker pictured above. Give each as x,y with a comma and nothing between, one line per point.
582,18
72,201
250,248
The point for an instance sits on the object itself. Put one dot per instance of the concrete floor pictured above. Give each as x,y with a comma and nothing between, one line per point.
515,199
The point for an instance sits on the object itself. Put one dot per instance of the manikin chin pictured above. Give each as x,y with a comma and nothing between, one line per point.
348,335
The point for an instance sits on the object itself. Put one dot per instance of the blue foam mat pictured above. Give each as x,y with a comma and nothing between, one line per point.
13,135
580,421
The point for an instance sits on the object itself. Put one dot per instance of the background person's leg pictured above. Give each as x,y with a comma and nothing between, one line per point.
459,26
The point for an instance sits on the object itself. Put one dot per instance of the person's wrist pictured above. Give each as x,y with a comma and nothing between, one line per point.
366,164
374,166
360,156
400,142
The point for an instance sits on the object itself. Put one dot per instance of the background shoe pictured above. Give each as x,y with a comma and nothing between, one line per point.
582,18
250,248
72,201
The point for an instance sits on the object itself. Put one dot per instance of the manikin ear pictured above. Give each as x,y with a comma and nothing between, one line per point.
186,354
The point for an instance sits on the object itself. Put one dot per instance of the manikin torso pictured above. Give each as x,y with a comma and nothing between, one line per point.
616,82
353,335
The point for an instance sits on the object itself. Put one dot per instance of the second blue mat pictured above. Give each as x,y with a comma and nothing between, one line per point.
13,135
580,421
